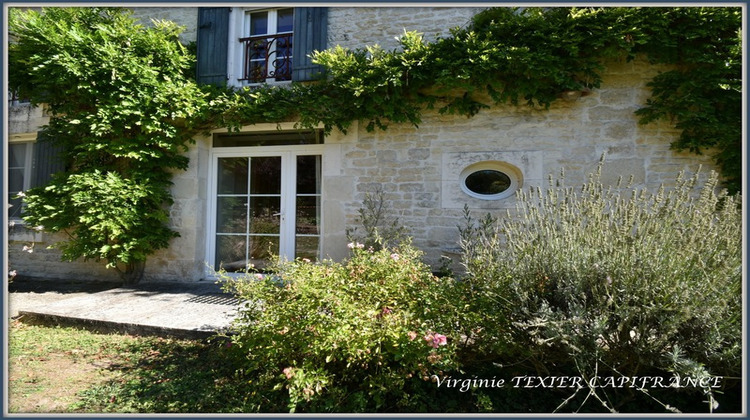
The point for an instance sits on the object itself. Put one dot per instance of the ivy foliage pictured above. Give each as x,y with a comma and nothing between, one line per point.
528,57
123,107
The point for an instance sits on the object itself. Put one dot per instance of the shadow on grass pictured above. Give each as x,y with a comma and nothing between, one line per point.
159,375
171,376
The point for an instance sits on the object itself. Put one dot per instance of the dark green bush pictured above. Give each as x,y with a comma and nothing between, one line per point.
611,281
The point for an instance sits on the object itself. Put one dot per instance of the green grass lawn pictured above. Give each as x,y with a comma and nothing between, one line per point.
69,370
55,369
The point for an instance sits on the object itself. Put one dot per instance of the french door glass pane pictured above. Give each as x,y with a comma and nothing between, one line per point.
261,249
265,215
232,176
265,175
231,252
308,215
231,215
308,174
307,247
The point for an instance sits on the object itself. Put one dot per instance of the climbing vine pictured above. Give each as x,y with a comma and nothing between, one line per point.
122,107
529,56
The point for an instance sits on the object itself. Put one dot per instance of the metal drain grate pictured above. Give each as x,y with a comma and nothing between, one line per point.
214,299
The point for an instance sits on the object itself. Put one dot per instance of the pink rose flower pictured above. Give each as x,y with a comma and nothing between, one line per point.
435,340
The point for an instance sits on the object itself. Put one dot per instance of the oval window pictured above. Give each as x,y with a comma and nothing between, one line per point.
490,180
487,182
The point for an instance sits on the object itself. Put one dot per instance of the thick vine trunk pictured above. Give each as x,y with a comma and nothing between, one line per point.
133,272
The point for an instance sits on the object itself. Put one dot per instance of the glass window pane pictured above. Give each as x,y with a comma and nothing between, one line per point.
15,180
285,20
257,50
259,23
283,69
17,155
276,138
307,247
265,177
264,216
308,174
256,71
232,176
231,215
262,249
308,215
231,252
488,182
282,62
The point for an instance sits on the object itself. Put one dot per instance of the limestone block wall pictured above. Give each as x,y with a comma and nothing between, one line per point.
186,17
45,263
419,168
350,27
184,260
25,119
355,27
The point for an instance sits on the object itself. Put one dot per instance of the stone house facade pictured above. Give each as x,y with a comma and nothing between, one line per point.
299,194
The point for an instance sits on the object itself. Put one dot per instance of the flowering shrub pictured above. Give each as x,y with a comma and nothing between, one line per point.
359,333
612,281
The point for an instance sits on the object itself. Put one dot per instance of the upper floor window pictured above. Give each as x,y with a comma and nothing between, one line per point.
267,48
239,46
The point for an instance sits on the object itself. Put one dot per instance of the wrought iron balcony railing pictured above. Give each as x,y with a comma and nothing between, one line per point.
267,58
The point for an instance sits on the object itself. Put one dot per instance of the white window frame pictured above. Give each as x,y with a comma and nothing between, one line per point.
27,170
511,171
239,27
287,233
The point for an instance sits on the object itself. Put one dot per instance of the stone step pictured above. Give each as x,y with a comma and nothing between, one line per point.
183,310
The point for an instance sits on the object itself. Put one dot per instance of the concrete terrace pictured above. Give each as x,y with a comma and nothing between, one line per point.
183,310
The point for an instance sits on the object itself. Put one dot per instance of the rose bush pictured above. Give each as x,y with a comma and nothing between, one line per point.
360,334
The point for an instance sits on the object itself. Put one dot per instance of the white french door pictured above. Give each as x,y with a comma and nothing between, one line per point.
264,203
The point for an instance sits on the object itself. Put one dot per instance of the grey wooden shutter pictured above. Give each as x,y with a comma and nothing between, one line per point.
212,45
47,160
310,33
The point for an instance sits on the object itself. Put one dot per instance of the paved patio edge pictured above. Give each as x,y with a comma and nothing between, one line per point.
102,326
